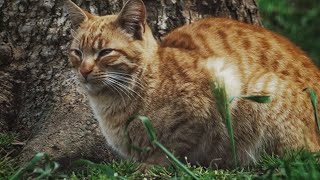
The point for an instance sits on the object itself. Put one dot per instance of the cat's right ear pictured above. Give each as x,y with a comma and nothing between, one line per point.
132,18
76,14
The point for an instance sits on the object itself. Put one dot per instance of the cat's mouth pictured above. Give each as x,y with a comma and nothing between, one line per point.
114,84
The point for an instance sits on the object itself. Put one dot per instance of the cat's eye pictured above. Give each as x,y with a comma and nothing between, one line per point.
104,52
78,53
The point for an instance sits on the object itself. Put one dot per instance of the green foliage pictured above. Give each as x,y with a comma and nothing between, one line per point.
299,20
85,168
36,171
294,165
128,170
7,166
6,139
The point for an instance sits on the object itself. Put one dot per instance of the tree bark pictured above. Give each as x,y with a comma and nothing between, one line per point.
39,98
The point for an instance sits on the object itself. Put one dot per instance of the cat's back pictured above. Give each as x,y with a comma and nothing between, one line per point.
250,47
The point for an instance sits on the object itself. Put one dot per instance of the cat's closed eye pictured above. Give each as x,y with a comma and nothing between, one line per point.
104,52
77,53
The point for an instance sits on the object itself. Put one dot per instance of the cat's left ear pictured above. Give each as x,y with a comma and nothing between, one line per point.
77,15
132,18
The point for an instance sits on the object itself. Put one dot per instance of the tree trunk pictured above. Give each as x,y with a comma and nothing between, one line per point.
39,98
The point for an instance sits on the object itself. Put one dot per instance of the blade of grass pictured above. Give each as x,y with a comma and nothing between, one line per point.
136,148
18,175
153,138
314,102
6,139
219,92
7,165
150,130
108,171
174,159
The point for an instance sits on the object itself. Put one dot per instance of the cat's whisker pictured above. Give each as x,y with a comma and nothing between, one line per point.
70,81
76,39
75,35
71,78
127,88
133,83
132,80
115,88
130,90
121,88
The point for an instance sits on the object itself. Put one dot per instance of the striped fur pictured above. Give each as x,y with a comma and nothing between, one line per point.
168,81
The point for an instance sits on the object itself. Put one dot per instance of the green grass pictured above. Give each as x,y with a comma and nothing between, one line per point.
7,164
6,139
128,170
293,165
296,19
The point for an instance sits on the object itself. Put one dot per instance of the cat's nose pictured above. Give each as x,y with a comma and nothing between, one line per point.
85,72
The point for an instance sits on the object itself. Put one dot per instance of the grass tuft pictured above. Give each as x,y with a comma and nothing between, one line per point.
293,165
35,170
6,139
7,163
7,166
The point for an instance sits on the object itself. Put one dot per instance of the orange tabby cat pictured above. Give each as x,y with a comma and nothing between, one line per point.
125,71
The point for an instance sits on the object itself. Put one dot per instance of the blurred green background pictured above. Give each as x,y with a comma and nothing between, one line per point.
298,20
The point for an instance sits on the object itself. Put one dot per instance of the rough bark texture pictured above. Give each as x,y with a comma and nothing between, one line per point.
38,97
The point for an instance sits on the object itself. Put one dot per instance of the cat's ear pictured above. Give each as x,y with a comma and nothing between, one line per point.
132,18
76,14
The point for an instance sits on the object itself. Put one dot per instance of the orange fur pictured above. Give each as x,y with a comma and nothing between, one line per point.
169,83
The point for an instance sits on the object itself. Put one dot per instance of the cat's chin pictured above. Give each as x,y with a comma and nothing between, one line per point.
92,88
95,88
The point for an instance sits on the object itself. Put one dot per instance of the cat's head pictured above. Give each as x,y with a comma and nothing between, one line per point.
110,52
